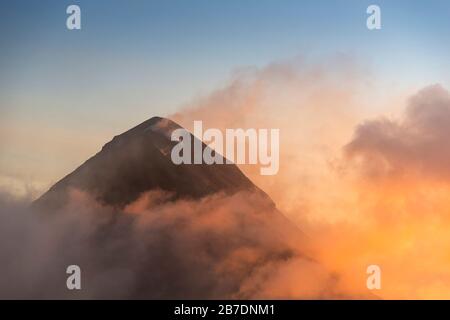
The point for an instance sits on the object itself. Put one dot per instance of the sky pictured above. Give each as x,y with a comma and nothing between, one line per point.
73,90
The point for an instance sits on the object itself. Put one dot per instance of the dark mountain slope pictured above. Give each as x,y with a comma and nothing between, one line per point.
138,161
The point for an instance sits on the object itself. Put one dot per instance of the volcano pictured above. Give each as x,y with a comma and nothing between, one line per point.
138,161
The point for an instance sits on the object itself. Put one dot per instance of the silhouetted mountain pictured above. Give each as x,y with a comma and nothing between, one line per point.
138,161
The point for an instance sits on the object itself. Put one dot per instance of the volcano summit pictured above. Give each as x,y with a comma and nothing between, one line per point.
138,161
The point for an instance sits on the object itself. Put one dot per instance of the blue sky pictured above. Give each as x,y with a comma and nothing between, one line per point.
135,59
166,52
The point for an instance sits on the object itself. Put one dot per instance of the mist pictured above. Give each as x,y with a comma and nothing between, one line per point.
219,247
364,177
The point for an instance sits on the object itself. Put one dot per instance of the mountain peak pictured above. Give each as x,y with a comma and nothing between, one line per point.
157,125
138,161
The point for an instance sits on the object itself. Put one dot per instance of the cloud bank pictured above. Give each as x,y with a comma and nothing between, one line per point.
417,144
365,191
218,247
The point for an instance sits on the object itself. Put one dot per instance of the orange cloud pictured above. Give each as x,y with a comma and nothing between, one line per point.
379,197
